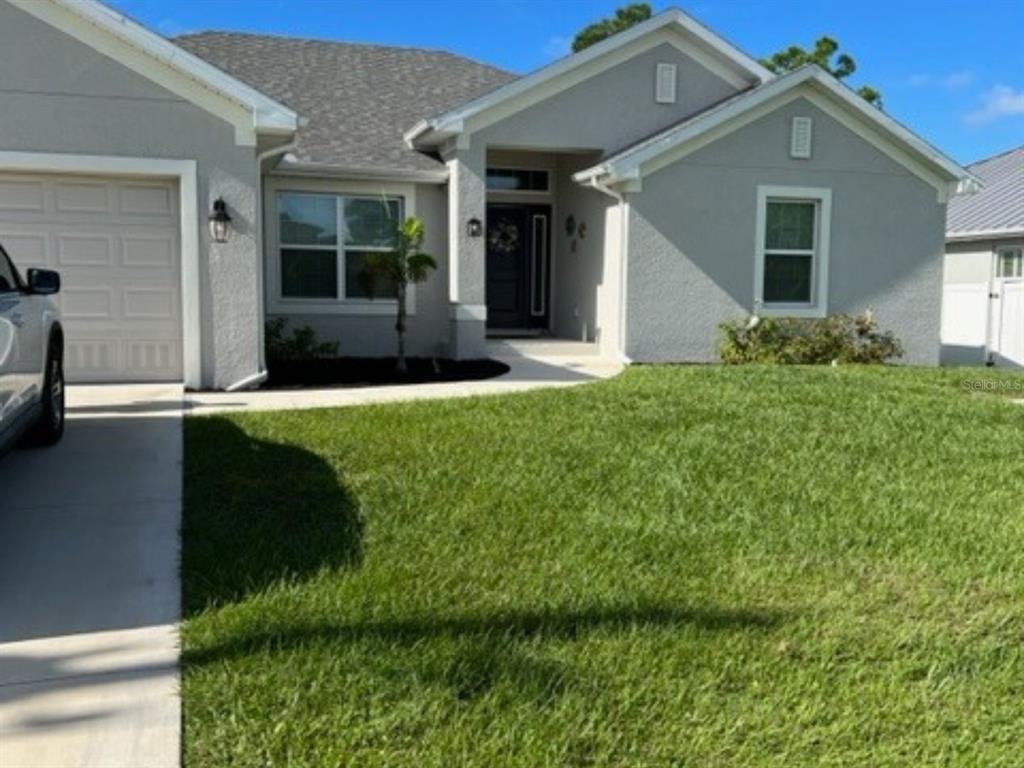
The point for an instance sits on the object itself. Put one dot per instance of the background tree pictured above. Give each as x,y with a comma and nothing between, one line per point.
623,19
842,66
400,267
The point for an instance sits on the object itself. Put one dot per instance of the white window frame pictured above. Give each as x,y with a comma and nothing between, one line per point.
546,192
277,302
822,198
1003,250
539,266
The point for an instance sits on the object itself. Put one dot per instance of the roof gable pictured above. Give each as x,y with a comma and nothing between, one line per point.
998,209
811,82
356,98
169,66
671,26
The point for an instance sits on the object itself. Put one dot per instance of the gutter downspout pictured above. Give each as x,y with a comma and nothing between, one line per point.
250,382
623,254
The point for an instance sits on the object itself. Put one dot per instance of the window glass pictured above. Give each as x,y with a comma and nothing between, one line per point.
309,274
308,219
371,222
1011,263
790,226
517,180
8,282
787,278
357,282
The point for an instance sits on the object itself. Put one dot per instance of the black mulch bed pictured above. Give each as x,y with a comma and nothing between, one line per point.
375,371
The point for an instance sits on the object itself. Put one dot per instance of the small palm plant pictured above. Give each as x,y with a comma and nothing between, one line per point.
403,266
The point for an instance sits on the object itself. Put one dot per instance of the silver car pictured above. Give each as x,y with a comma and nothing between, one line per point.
31,356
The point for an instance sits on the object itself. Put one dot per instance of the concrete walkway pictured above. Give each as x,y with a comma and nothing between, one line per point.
533,363
89,590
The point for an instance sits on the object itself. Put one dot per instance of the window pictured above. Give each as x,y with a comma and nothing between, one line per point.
1010,262
325,241
792,250
8,276
517,180
665,84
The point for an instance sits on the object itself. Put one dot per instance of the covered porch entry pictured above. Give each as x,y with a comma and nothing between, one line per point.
546,243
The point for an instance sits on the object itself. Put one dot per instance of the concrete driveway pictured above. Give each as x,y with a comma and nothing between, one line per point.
89,591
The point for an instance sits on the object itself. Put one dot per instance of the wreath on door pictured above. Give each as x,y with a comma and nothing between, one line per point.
503,238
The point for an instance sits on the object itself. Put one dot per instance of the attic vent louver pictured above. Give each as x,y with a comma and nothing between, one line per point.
800,140
665,84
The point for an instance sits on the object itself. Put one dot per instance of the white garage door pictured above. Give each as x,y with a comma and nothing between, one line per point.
115,243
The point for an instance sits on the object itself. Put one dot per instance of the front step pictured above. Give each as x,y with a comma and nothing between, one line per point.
541,348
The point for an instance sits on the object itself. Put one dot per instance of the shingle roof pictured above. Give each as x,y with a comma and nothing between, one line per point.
358,99
1000,203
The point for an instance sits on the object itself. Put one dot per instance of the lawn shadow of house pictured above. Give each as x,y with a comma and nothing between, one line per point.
476,653
243,530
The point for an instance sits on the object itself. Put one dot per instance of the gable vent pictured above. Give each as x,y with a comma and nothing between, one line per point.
665,84
800,140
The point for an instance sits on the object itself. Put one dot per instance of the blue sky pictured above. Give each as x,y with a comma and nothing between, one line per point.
941,65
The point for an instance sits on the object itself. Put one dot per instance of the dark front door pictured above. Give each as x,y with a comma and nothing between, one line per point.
517,265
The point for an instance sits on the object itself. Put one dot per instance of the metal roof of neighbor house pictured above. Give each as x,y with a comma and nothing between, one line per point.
357,100
999,206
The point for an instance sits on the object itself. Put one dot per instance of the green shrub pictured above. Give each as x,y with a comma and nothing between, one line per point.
799,341
303,343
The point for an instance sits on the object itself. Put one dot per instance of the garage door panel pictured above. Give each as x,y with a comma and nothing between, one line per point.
147,200
149,251
83,197
116,245
22,195
32,247
85,250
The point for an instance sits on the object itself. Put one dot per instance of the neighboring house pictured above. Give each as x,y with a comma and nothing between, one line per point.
635,194
983,298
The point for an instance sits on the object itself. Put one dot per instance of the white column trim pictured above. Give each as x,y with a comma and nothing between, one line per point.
188,192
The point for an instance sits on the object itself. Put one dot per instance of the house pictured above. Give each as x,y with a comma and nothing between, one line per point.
633,195
983,291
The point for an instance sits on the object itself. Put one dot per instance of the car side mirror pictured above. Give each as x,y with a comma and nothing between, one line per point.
43,281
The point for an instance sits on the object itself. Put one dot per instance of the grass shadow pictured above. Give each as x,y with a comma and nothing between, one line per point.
488,650
243,529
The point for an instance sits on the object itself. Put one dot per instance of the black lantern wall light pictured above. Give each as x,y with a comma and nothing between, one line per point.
220,221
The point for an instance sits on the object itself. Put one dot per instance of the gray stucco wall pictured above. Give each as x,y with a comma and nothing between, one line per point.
60,95
692,238
612,109
374,336
579,270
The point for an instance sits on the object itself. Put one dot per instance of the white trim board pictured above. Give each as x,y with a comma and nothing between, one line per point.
188,205
822,90
166,64
985,234
672,26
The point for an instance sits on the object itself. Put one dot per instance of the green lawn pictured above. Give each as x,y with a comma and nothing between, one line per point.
698,566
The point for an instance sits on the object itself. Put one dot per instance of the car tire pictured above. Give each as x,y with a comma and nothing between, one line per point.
49,429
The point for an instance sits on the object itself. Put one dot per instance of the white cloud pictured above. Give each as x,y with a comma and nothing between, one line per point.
1000,101
558,46
952,81
956,80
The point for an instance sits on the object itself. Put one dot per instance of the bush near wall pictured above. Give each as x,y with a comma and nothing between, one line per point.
302,344
800,341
